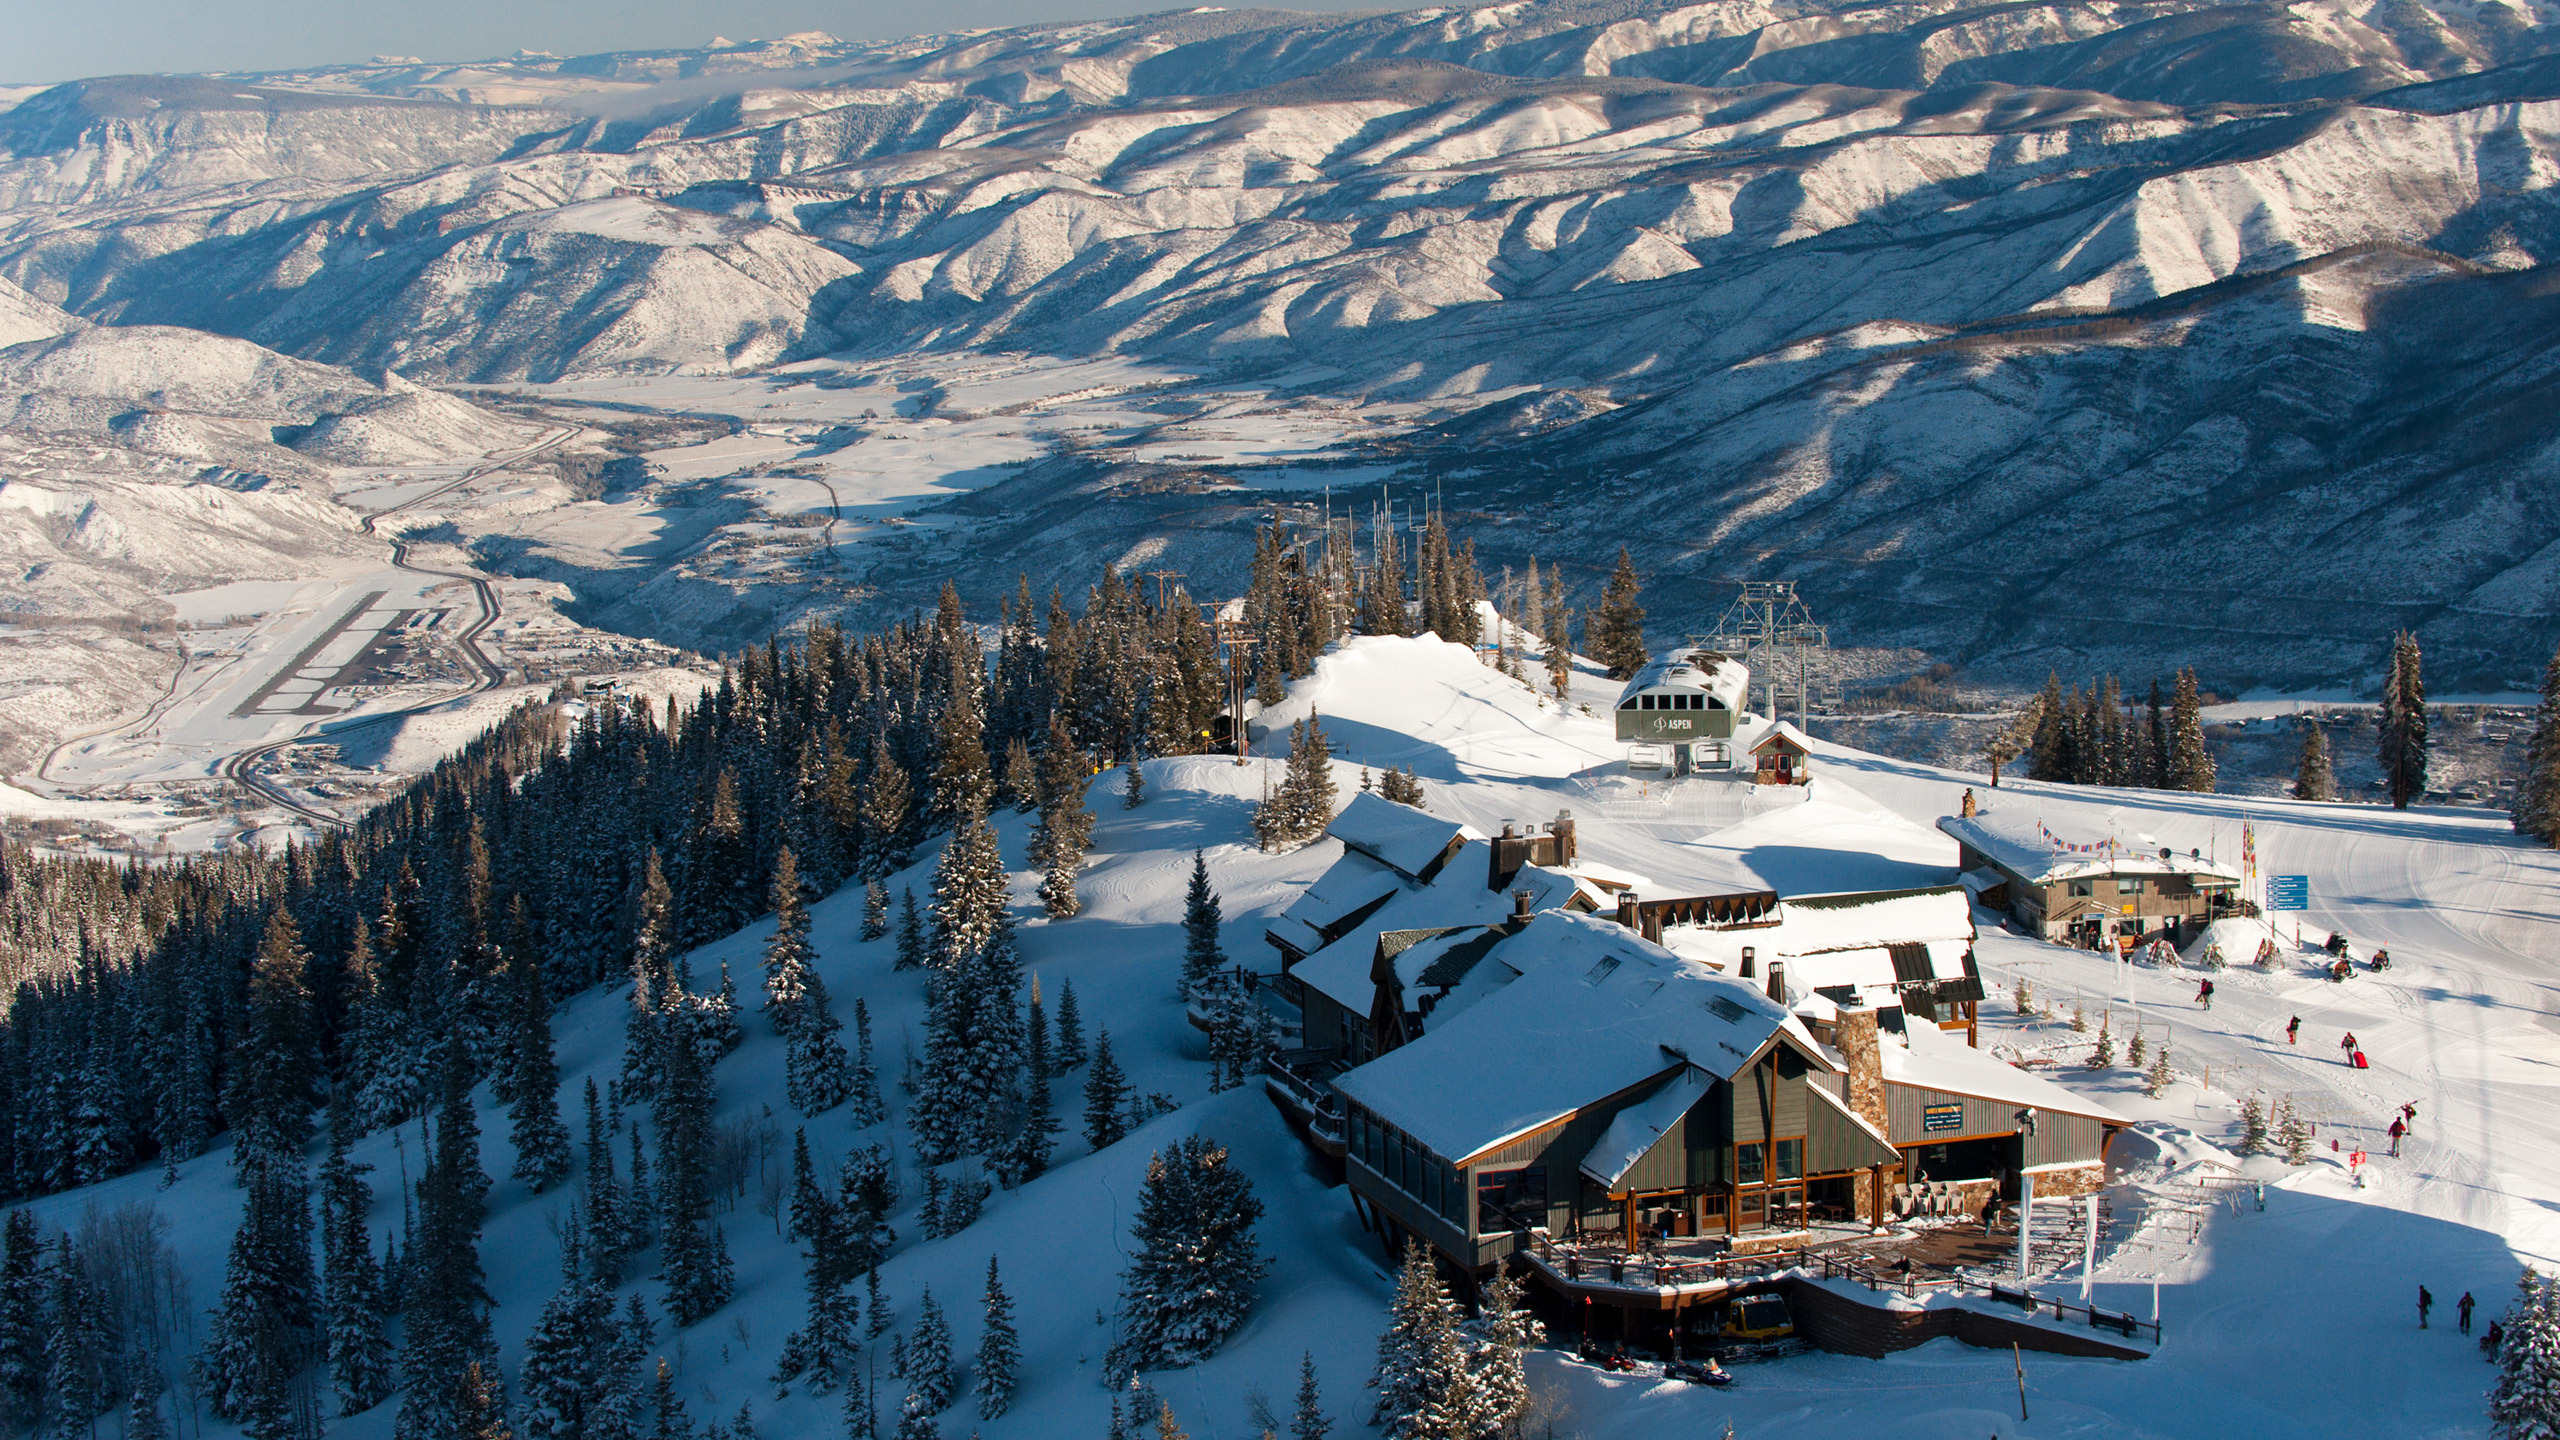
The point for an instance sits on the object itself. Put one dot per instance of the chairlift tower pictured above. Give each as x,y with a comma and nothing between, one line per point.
1766,627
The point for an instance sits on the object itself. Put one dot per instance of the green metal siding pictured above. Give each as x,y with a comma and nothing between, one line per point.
1906,1106
1834,1142
2063,1139
1787,1104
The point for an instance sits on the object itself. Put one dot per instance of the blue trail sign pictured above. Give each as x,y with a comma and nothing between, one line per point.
2288,892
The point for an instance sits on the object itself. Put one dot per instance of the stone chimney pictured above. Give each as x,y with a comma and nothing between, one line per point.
1627,908
1520,901
1562,829
1855,1037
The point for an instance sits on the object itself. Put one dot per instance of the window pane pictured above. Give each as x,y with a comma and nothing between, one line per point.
1510,1199
1791,1159
1747,1167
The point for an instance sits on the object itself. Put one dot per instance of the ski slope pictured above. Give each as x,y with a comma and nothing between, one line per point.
2290,1321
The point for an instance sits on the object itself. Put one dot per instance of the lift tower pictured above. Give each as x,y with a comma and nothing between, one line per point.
1768,624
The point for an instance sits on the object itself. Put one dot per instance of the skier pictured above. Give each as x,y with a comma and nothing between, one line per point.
2426,1302
2409,1114
2293,1028
2397,1130
2204,994
2463,1307
2355,1168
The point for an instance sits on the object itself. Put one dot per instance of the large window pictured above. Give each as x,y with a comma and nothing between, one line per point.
1750,1165
1511,1199
1791,1159
2129,887
2083,889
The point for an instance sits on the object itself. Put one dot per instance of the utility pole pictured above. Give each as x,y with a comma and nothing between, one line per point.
1164,579
1236,640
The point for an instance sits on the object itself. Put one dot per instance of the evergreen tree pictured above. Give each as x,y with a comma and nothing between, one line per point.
1556,643
2311,776
1193,1277
928,1368
2051,746
861,1418
1426,1389
868,1108
673,1421
2190,762
81,1356
480,1413
1070,1049
569,1374
1299,810
1026,1158
1241,1033
2253,1126
1106,1094
2403,749
275,1068
886,799
1614,630
1066,826
911,951
654,990
602,1199
817,1077
968,893
916,1422
143,1417
875,909
262,1328
2524,1404
1308,1421
1133,786
1501,1333
2155,1081
1021,780
695,1255
22,1319
999,1350
448,1304
1202,959
541,1141
359,1355
2537,803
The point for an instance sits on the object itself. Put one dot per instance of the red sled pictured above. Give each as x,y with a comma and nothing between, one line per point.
2360,1061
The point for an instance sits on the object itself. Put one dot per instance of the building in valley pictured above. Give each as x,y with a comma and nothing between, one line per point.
2089,890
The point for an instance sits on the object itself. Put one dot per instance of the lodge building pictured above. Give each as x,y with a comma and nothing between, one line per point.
2089,890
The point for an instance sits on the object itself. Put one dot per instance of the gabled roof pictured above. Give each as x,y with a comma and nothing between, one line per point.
1875,940
1456,899
1638,1127
2016,838
1597,1011
1411,842
1931,1060
1783,732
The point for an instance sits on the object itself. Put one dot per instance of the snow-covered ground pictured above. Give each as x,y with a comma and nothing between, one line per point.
2291,1321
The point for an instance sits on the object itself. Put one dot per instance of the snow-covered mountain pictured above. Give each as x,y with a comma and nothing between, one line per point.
2130,334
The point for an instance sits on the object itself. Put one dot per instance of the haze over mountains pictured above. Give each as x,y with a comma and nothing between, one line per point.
2028,334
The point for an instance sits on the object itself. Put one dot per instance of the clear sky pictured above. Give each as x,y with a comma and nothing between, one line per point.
42,41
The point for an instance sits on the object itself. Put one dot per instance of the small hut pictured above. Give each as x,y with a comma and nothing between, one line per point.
1783,757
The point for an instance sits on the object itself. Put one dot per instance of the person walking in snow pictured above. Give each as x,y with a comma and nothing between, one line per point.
2204,994
2348,1048
2397,1130
2462,1307
2355,1166
2292,1029
2426,1302
2409,1114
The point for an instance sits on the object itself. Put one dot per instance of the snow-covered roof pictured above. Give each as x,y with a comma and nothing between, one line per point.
1934,1060
1786,731
1850,939
1400,836
1455,899
1352,881
1722,676
1638,1127
2016,839
1599,1012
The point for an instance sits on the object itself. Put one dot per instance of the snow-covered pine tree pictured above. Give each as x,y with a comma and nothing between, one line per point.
1202,958
875,909
2155,1081
22,1320
1307,1421
81,1354
1133,786
1426,1389
480,1411
1241,1033
262,1329
928,1369
821,1350
866,1191
447,1315
600,1197
2104,1054
817,1076
861,1417
1106,1094
915,1421
2139,1050
541,1141
2190,760
2537,804
888,798
868,1109
2403,731
275,1068
2312,777
568,1372
968,1198
968,893
694,1252
2524,1404
143,1417
1613,632
1021,778
999,1349
1499,1335
2253,1126
1298,811
1192,1280
653,983
639,1201
358,1353
2293,1134
911,949
674,1422
1069,1051
789,958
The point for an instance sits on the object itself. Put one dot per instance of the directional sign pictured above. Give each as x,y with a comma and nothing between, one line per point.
2288,892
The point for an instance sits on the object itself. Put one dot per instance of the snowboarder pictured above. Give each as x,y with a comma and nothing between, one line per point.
2292,1029
2426,1302
2462,1307
2204,994
2397,1130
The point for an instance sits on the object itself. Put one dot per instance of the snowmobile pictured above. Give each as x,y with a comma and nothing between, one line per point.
2381,961
1614,1358
1708,1372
